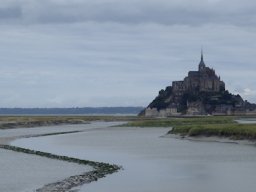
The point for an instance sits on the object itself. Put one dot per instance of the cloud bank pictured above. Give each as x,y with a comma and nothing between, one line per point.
61,53
181,12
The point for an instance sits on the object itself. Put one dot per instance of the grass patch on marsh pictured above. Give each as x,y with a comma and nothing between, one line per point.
170,122
221,126
231,130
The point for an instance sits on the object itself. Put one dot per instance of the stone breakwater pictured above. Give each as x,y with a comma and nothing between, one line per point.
71,182
100,170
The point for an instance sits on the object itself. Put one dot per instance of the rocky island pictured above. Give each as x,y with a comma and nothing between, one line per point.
201,92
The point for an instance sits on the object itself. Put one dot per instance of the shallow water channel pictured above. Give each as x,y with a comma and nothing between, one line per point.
25,173
153,163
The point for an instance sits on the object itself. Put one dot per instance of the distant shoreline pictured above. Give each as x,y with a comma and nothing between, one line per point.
71,111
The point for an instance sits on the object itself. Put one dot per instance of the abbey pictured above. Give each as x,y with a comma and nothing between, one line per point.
204,79
201,92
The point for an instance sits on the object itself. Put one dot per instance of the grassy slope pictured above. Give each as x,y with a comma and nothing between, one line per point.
202,126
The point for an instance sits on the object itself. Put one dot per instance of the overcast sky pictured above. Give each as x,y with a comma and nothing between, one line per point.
79,53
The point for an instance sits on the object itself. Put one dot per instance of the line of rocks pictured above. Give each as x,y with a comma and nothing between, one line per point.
100,170
73,181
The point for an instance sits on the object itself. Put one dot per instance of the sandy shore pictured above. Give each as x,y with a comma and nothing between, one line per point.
211,139
7,140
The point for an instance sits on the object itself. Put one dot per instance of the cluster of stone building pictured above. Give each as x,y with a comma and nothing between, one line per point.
203,80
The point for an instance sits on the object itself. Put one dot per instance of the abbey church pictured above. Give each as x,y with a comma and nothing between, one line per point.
204,79
201,92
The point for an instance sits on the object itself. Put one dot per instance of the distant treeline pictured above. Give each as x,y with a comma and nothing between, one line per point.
71,111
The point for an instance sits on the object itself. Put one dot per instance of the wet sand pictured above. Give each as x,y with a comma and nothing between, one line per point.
7,140
211,139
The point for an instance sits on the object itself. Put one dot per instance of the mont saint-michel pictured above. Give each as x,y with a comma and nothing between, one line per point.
201,92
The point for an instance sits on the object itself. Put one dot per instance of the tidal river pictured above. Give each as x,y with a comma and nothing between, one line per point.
153,163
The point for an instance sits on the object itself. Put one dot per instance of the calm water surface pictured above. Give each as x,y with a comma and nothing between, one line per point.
246,121
153,163
25,173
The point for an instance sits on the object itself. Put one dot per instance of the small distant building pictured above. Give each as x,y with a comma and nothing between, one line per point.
223,110
151,112
167,112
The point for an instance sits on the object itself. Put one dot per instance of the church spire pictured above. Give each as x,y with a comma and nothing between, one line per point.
202,55
201,64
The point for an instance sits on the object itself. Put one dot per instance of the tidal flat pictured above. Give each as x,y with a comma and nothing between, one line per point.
154,163
151,161
28,170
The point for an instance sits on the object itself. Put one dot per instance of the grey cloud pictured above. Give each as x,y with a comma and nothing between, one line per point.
12,12
182,12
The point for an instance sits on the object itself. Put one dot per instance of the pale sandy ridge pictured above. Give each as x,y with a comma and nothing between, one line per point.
211,139
7,140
